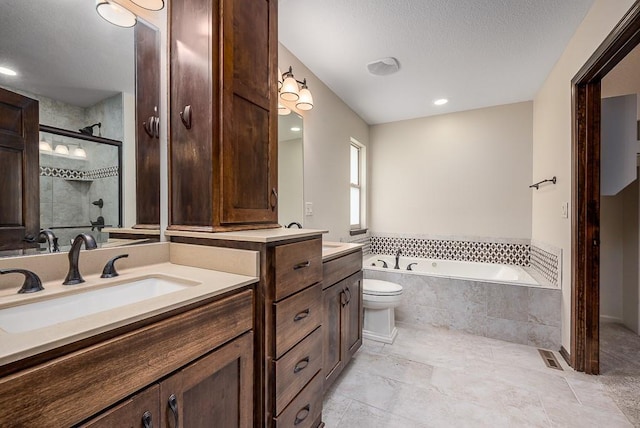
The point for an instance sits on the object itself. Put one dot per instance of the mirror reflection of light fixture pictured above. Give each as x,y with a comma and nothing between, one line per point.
290,91
61,149
45,146
150,4
115,13
80,152
283,110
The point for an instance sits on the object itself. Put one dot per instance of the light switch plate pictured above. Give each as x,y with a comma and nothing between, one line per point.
565,210
308,208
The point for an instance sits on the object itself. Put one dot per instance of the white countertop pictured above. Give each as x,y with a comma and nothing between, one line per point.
204,283
331,250
255,235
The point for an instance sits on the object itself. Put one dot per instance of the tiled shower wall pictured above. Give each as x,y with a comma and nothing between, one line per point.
541,260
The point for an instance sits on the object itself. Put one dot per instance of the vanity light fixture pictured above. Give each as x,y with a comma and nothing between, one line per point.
115,13
296,129
290,91
7,71
441,101
150,4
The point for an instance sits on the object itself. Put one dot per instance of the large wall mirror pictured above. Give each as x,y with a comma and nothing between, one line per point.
290,170
91,79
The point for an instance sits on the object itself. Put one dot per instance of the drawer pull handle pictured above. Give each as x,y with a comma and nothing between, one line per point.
348,295
302,414
301,315
173,405
146,420
302,265
301,365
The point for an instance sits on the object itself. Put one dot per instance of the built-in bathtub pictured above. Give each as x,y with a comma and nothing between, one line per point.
498,301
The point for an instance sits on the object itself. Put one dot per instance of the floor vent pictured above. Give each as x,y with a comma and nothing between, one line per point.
550,359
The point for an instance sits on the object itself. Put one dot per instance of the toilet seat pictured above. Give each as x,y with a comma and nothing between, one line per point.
376,287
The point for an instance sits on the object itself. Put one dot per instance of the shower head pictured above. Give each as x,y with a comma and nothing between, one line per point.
88,130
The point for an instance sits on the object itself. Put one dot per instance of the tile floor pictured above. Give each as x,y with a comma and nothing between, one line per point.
436,377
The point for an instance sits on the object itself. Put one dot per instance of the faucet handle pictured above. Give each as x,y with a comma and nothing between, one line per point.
109,270
31,282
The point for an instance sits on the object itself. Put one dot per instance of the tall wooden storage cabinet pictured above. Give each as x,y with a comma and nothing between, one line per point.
223,145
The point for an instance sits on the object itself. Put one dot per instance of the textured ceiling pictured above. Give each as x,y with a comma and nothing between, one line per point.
63,50
476,53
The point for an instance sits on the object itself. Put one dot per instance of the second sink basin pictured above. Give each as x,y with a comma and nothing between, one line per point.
54,310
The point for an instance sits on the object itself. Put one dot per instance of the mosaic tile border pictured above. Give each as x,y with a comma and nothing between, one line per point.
73,174
547,262
510,253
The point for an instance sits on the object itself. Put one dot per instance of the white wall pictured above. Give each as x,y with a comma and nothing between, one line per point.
328,128
460,174
552,139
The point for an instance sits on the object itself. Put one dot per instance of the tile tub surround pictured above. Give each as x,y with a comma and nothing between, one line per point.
435,377
519,314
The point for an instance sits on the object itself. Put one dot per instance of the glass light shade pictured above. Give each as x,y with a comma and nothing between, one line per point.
150,4
279,79
61,149
115,14
45,146
289,91
283,110
305,102
80,152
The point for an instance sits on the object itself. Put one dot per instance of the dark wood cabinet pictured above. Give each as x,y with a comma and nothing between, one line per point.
342,315
147,45
19,171
216,391
223,142
140,411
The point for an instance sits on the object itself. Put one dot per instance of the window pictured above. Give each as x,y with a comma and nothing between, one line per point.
357,168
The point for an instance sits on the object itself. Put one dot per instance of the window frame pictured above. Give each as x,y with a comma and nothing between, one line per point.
360,227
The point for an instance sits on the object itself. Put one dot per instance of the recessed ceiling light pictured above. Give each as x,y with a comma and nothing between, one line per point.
441,101
295,129
7,71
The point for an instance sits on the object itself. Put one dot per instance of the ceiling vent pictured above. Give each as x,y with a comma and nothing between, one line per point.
384,66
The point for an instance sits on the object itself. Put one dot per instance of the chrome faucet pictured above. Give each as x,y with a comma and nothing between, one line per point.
73,276
47,235
398,253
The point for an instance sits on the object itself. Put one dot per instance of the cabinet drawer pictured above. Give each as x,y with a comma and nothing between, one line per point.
296,317
297,266
297,367
337,269
305,409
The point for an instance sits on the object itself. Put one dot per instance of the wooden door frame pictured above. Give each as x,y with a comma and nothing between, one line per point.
585,222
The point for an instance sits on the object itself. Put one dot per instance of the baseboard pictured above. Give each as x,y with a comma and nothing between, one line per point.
565,355
608,318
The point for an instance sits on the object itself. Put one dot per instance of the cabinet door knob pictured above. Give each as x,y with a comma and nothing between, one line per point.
185,116
301,315
348,292
274,198
156,128
147,422
173,405
343,298
302,414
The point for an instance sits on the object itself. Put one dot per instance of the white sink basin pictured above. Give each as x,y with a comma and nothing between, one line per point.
45,313
326,247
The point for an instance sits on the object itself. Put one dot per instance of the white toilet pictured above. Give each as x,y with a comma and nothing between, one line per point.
379,299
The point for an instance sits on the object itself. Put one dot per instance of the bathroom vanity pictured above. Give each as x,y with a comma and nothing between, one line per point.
342,307
160,361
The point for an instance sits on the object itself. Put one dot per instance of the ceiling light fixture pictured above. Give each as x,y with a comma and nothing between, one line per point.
441,101
150,4
295,129
290,91
115,13
383,66
7,71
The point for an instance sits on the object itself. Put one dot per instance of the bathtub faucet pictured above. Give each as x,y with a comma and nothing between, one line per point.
398,253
